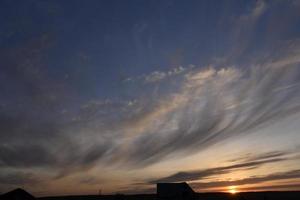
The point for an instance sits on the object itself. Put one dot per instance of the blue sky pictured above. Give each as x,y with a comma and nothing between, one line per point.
122,94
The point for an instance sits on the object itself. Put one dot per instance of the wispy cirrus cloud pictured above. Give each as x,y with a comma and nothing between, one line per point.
253,162
204,179
18,178
157,76
213,105
293,174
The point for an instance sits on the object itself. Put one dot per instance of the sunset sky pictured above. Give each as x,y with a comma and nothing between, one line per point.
118,95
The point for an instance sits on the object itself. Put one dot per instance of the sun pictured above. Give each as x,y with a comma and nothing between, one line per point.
232,189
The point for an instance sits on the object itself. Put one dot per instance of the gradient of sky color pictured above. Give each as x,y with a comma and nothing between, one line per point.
120,94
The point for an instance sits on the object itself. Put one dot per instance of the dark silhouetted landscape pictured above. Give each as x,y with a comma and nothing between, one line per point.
20,194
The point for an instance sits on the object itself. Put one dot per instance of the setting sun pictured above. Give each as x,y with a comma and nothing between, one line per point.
232,189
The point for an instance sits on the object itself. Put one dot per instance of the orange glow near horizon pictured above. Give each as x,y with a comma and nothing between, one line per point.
232,190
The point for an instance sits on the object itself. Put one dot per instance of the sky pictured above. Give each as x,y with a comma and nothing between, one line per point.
118,95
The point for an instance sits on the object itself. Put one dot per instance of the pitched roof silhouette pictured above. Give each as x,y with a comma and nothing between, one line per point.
17,194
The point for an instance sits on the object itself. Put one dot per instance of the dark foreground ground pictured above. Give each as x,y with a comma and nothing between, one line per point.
199,196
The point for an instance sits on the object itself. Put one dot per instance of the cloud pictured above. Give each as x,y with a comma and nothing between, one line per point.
256,11
211,105
242,34
254,162
199,177
35,131
25,156
207,106
293,174
293,187
90,180
18,178
214,105
251,157
157,76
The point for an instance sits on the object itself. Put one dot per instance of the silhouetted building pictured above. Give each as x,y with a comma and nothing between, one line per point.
17,194
175,191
